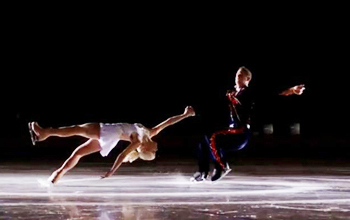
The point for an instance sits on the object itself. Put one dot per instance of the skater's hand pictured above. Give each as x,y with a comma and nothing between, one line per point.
299,89
108,174
189,111
295,90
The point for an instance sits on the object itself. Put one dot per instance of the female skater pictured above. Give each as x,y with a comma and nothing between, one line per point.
103,137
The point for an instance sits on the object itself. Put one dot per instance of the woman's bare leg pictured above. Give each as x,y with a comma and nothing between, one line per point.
88,130
89,147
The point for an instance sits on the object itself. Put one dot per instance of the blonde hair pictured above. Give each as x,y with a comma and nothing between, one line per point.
144,155
148,145
246,72
131,157
148,150
147,155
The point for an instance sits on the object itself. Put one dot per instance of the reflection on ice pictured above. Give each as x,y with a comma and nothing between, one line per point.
81,195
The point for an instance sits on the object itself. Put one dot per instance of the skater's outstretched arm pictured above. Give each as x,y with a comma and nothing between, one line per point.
189,111
295,90
135,143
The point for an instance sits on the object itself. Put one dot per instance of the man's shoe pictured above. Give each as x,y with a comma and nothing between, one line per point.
199,177
219,173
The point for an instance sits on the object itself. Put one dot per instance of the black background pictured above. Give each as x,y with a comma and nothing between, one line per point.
68,66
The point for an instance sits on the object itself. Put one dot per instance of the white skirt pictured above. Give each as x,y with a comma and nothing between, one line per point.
109,136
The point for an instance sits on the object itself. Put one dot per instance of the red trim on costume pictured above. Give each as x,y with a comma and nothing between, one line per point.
234,100
213,145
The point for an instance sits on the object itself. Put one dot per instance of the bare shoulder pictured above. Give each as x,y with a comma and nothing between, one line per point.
143,130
